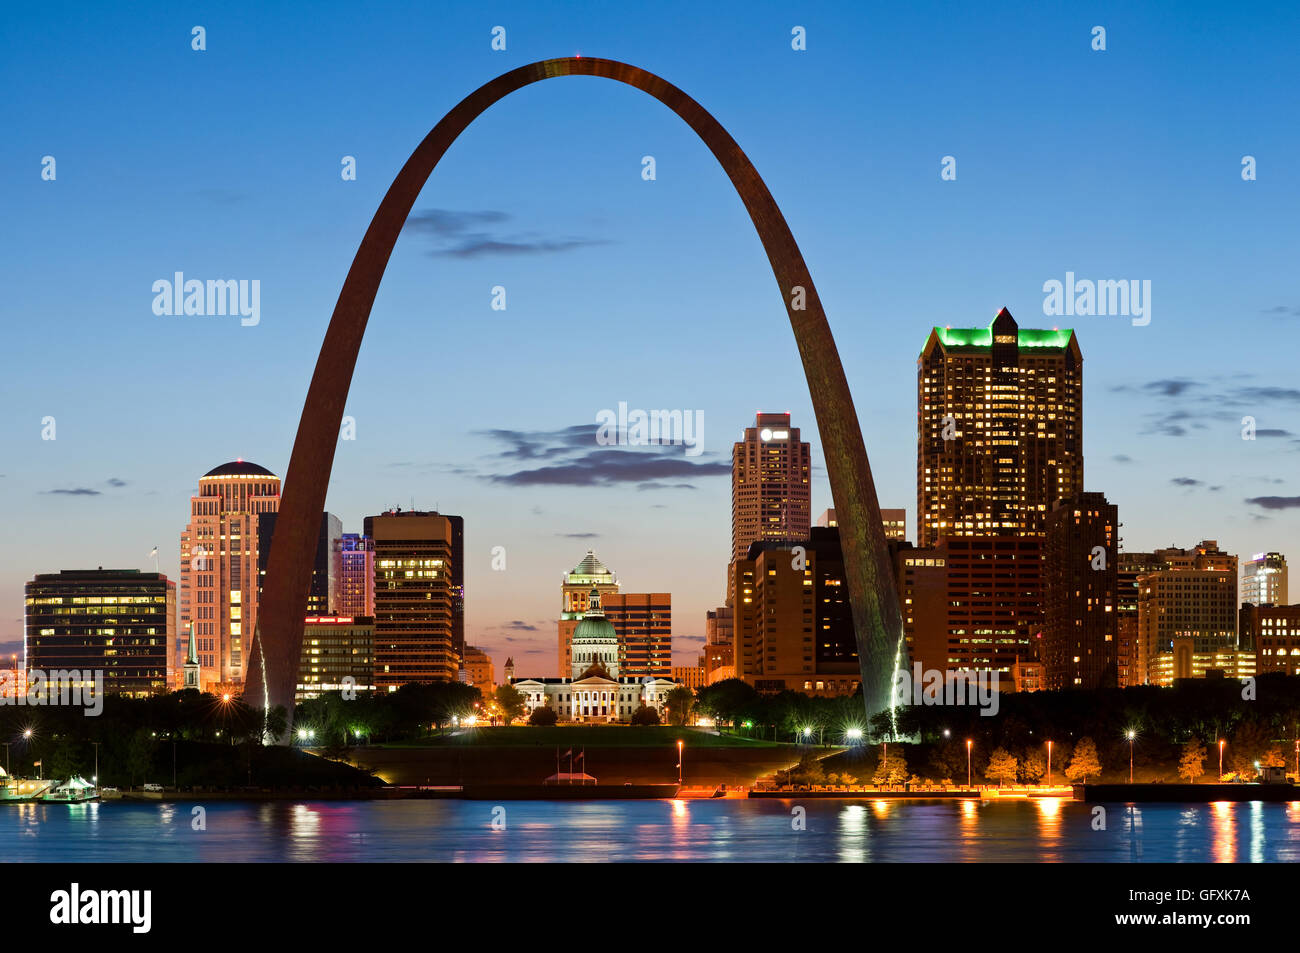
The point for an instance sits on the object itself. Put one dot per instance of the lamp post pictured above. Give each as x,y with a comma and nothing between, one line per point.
968,744
679,762
1049,764
1221,744
96,777
1131,735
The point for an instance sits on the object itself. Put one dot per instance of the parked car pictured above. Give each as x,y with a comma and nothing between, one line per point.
153,787
109,791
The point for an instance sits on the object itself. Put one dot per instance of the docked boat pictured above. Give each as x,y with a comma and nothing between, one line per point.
22,789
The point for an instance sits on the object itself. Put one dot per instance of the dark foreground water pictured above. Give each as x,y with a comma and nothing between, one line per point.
722,830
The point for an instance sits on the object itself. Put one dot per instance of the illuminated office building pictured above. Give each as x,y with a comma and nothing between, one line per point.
1000,429
1187,616
1263,580
338,655
414,597
1081,594
117,621
219,569
354,570
322,597
771,489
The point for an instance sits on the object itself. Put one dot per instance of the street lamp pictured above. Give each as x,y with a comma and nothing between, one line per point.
1049,764
1131,735
1221,744
968,744
679,762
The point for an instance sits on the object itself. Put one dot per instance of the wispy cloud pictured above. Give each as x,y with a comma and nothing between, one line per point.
1275,502
76,491
573,458
478,234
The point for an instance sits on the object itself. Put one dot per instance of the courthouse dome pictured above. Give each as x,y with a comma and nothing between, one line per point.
239,468
595,642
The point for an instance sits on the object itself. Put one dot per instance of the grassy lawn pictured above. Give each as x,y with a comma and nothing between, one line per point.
592,736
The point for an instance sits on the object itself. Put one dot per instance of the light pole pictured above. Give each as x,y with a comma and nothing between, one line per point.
1221,744
968,744
679,762
8,770
884,761
1049,764
96,744
1131,735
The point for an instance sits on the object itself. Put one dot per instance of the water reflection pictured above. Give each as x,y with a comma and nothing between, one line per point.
1223,824
1040,829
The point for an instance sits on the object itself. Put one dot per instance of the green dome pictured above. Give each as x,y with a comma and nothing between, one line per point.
595,629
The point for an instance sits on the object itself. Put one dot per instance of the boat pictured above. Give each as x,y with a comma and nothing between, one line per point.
72,791
17,790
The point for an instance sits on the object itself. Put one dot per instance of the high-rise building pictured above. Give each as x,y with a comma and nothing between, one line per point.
414,597
894,520
1000,429
322,597
793,626
575,591
971,602
771,487
1187,616
1273,631
719,657
219,568
479,666
354,569
120,622
1081,594
338,654
644,623
921,575
1132,566
689,676
1263,580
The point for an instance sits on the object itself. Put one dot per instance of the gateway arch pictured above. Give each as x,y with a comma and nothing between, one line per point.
277,644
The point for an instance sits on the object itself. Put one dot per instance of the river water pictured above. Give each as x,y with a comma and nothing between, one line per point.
1047,829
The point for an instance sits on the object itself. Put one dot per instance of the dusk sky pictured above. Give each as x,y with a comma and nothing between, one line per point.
1117,164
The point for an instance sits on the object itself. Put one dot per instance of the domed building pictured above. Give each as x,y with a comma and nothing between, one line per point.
595,643
593,691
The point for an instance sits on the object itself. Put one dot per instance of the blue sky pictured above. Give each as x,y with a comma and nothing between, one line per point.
1115,164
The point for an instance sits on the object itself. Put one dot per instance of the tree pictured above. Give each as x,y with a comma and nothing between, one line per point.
1192,763
724,701
1250,743
678,704
511,702
277,723
808,771
645,715
1085,763
948,760
891,768
1033,766
1002,766
543,717
139,754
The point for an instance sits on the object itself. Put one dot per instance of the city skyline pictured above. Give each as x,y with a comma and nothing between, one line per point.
1162,409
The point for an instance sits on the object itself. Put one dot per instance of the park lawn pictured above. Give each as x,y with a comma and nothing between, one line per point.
591,736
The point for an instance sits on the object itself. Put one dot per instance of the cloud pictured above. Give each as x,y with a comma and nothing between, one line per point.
518,625
1122,458
78,491
571,457
1275,502
475,234
1284,310
1272,432
1181,406
578,535
114,481
1185,481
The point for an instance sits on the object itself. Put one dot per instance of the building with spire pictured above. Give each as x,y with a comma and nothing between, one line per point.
190,671
643,621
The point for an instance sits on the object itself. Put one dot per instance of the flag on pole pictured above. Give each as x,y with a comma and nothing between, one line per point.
153,552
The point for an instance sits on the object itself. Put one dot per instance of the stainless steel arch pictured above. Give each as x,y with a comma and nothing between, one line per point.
277,644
